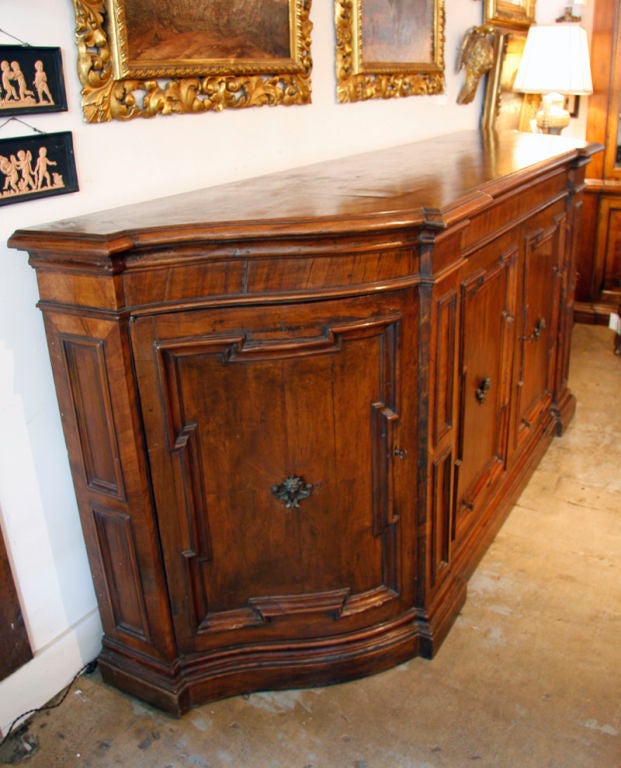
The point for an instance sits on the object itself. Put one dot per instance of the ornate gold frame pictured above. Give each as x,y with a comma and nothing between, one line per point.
115,88
358,82
505,12
503,108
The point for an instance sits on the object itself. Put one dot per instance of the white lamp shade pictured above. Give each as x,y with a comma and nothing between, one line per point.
555,60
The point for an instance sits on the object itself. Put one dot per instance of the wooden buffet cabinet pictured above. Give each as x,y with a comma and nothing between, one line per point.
298,408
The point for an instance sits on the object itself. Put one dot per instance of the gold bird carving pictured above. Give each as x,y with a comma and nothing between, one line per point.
477,56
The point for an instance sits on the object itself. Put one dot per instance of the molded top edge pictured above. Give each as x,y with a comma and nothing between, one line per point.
431,184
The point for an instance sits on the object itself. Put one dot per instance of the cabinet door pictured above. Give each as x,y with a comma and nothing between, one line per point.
276,442
607,278
487,311
538,323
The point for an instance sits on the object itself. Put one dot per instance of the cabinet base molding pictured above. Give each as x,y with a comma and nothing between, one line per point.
298,408
591,313
564,411
200,678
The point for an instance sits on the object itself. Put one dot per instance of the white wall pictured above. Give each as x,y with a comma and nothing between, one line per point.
119,163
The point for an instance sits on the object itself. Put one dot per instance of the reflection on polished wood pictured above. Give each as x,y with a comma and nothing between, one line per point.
299,407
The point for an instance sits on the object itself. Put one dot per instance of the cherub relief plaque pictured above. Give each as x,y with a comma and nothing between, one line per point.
31,80
36,166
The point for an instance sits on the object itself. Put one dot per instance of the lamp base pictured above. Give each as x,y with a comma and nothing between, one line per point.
552,117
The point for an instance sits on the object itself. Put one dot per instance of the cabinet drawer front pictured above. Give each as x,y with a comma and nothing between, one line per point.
272,436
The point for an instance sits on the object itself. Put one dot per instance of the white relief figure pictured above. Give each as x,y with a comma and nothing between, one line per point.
18,76
7,76
21,179
40,83
24,166
41,168
9,169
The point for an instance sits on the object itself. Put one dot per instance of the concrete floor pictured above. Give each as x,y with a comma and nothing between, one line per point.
529,676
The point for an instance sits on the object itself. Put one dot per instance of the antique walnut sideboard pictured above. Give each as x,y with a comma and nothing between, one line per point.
298,408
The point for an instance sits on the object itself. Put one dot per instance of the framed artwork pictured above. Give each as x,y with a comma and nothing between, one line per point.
504,108
36,166
140,58
514,13
389,48
31,80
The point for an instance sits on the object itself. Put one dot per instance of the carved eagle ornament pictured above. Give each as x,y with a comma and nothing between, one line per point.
477,57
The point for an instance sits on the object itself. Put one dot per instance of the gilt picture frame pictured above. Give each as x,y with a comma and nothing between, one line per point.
512,13
141,58
504,108
31,80
389,48
36,166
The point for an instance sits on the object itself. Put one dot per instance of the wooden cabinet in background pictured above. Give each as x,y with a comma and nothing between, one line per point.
598,289
299,407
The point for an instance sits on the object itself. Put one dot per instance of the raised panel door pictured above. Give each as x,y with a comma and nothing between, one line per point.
608,279
487,302
277,447
538,323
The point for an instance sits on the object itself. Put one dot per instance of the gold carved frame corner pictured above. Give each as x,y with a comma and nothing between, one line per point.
512,13
115,88
359,80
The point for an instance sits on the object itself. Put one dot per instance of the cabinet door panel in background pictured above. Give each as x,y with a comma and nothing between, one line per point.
487,308
538,326
271,435
608,277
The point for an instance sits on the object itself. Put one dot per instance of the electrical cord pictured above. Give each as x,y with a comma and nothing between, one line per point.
87,668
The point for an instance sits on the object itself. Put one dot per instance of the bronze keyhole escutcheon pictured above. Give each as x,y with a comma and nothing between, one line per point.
483,388
541,324
292,490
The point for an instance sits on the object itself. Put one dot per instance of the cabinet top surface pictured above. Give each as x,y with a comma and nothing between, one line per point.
433,183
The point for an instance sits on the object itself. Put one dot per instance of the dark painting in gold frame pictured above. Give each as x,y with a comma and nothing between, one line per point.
389,48
140,58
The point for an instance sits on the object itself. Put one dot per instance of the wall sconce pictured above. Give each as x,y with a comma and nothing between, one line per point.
555,63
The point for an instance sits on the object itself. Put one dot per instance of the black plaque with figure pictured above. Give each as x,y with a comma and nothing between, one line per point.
36,166
31,80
